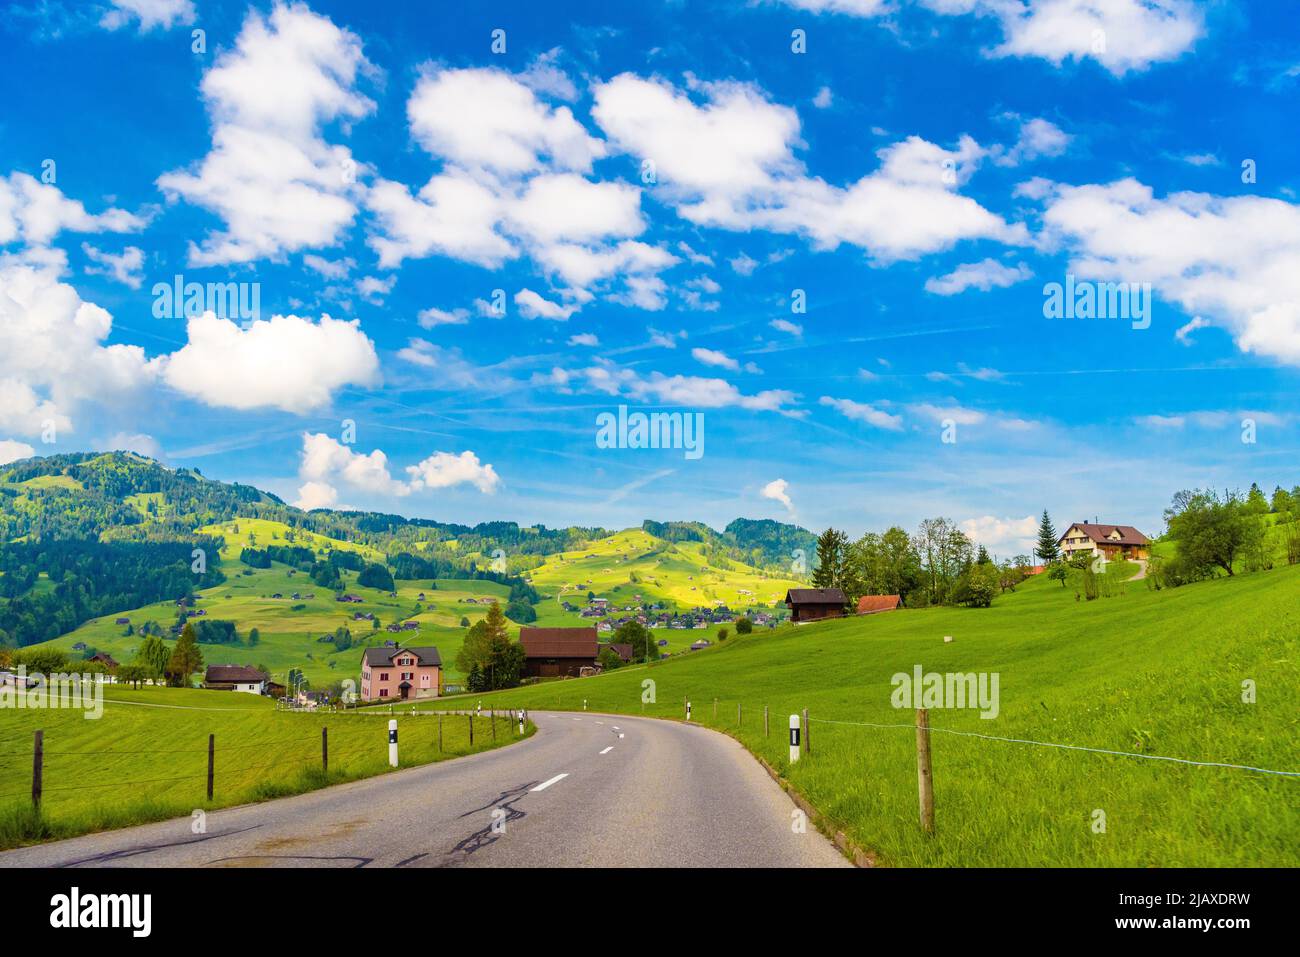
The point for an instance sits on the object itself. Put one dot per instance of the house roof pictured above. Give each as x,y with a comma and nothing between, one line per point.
621,649
1101,533
230,674
104,658
878,603
558,642
814,596
382,657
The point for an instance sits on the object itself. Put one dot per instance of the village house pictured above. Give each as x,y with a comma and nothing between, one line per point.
557,652
1110,541
234,678
104,659
873,604
815,604
396,673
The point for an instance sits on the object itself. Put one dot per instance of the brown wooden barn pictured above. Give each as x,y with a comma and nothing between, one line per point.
557,652
814,604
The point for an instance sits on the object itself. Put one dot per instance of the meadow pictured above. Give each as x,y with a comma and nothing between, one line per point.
1144,672
145,758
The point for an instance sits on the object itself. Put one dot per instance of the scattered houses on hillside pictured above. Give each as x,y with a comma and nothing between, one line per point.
815,604
874,604
234,678
1109,541
557,652
392,672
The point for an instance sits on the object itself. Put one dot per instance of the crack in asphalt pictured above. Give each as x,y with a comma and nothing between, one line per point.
150,848
489,835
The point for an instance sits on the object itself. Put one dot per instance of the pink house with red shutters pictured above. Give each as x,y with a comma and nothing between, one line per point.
392,673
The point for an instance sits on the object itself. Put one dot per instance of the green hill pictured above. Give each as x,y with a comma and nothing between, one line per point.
1145,672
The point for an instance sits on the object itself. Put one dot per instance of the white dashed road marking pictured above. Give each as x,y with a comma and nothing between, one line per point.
546,784
607,750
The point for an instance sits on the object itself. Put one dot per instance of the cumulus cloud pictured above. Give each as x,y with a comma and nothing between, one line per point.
724,156
1230,259
778,490
52,353
863,412
271,177
534,306
11,451
680,390
984,275
327,463
137,442
433,316
34,213
152,14
1005,536
1121,35
712,357
125,267
1038,138
286,362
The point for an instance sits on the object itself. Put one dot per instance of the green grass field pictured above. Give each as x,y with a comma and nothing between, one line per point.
1154,673
145,759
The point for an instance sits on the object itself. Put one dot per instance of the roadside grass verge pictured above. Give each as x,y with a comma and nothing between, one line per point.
1144,672
146,758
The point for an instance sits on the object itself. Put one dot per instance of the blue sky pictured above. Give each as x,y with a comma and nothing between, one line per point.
647,186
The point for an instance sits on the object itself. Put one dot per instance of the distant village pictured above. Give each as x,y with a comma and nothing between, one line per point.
657,615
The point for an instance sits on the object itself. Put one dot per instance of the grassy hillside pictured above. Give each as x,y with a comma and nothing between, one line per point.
1157,673
146,757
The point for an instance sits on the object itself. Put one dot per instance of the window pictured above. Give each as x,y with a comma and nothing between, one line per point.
383,676
408,675
383,692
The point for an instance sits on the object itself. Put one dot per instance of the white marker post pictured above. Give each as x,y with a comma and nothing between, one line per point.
688,710
794,738
584,704
392,743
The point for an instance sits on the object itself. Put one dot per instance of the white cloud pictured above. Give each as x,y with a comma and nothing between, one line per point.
712,357
36,212
428,318
1229,259
824,98
152,14
52,353
1121,35
666,340
1038,138
1003,536
285,362
373,289
729,162
125,266
785,325
11,451
1201,159
778,490
327,463
137,442
584,339
533,306
444,470
1184,332
330,269
271,177
863,412
685,391
984,275
942,413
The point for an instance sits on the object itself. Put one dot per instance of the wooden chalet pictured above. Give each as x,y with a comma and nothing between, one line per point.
814,604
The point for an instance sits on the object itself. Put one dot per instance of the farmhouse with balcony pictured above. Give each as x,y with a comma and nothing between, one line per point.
1111,541
557,652
394,673
814,604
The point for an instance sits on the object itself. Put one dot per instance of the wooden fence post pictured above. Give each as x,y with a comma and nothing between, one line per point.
471,729
38,768
807,736
325,750
924,777
494,725
212,751
440,734
715,709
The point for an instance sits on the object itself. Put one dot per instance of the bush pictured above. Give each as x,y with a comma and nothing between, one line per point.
722,634
744,626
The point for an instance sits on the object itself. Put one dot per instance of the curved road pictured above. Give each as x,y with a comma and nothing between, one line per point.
585,790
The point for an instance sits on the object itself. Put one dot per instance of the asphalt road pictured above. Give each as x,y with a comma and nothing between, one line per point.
586,790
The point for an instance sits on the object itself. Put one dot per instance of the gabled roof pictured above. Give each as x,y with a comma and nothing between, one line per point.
231,674
878,603
1128,535
814,596
382,657
558,642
